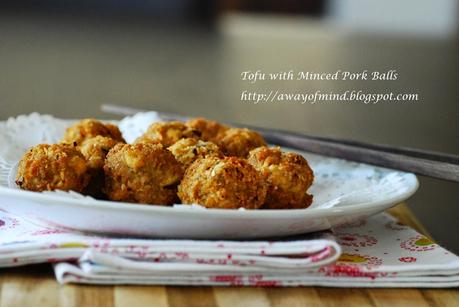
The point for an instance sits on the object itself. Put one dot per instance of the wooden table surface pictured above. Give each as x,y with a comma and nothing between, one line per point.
36,286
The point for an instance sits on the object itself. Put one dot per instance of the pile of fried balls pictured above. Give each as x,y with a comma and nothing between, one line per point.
195,162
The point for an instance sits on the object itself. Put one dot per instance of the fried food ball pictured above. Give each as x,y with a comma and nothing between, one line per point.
114,132
53,167
142,173
186,151
166,133
209,130
89,128
225,183
288,176
239,142
96,149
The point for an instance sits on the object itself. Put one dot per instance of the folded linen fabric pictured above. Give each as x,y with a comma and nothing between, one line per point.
22,242
377,252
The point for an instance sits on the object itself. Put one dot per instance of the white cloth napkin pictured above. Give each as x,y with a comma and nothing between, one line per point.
22,242
377,252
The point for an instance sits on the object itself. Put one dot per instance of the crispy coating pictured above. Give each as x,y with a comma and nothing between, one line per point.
96,149
146,139
53,167
288,176
225,183
114,132
209,130
89,128
186,151
239,142
166,133
142,173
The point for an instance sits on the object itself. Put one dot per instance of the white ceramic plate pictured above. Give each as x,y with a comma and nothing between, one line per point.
343,192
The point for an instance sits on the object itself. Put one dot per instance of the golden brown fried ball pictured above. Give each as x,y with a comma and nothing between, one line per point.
89,128
114,132
226,183
166,133
96,149
239,142
209,130
186,151
53,167
288,176
143,173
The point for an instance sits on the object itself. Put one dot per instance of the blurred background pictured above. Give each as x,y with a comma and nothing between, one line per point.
67,57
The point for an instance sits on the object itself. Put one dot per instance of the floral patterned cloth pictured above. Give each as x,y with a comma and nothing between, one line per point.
377,252
22,242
